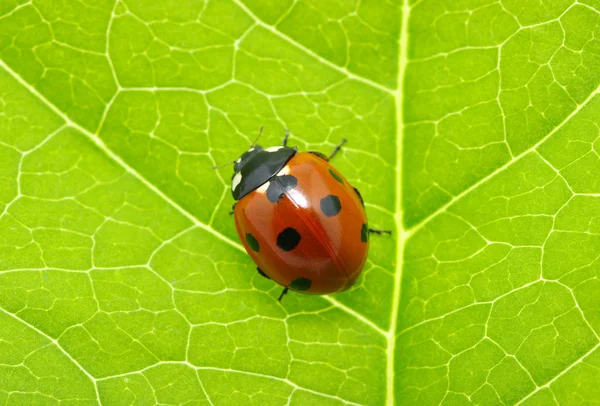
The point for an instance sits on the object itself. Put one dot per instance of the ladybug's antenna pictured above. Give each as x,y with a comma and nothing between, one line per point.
251,145
222,166
259,134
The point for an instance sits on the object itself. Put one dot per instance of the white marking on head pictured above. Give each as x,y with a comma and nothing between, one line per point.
238,160
284,171
263,188
236,180
273,149
251,149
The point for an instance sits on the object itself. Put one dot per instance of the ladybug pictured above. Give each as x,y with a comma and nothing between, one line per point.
299,219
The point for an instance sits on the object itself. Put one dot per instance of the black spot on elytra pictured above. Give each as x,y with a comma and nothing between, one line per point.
252,243
331,205
336,176
279,185
288,239
360,197
301,284
364,233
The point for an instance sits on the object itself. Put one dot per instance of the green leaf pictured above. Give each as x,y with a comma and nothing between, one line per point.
473,131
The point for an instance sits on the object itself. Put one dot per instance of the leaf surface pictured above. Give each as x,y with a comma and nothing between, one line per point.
473,133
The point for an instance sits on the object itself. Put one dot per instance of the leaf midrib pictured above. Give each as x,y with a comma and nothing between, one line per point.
398,217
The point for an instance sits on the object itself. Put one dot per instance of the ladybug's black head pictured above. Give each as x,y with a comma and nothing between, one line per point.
245,157
256,166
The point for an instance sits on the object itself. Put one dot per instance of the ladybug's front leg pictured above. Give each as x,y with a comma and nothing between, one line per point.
335,151
232,209
337,148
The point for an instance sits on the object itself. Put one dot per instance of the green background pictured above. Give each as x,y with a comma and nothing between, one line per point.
474,134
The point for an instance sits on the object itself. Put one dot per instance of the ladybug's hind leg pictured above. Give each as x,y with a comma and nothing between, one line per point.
285,291
260,271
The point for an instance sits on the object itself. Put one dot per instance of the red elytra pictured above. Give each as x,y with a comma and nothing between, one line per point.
302,245
299,219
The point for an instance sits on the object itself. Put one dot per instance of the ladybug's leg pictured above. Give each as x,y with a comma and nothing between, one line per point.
262,273
285,139
371,230
285,291
335,151
232,209
337,148
320,155
379,232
